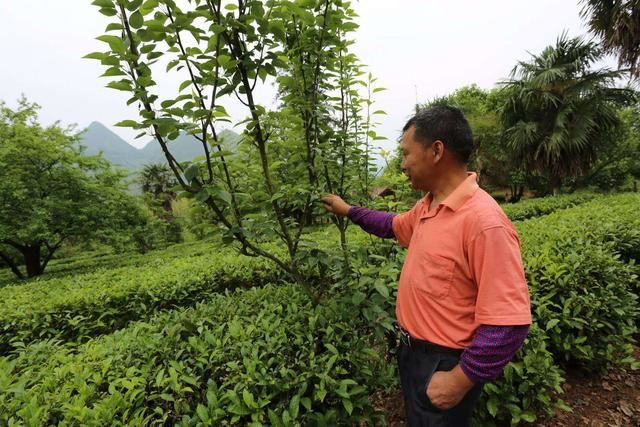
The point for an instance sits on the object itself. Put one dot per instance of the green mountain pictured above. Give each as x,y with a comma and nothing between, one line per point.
98,138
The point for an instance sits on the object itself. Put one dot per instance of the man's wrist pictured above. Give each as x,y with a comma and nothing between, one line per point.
462,380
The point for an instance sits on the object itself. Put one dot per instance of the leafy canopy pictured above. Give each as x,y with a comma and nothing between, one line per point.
560,110
51,193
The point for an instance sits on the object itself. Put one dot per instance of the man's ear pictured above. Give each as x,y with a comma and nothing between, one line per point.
438,150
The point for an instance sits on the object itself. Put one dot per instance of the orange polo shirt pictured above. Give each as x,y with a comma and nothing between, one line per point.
463,268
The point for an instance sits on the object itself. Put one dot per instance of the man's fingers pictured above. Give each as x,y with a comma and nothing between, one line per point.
328,200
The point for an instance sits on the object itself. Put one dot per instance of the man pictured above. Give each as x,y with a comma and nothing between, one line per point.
463,304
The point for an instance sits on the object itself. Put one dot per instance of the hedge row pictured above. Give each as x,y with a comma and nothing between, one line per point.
580,266
77,307
531,208
85,263
258,356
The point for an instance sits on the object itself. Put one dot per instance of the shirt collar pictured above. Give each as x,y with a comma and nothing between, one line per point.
460,195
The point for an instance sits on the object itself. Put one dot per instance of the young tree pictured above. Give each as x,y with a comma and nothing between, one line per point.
51,193
228,49
560,110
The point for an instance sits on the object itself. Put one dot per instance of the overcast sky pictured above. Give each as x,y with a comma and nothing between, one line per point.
417,49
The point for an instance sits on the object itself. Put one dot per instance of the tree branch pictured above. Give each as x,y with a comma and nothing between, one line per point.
197,88
12,265
135,69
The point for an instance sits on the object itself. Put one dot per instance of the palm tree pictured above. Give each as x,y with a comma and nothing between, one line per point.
559,111
617,23
158,181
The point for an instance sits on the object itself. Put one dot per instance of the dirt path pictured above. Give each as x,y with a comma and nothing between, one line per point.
611,400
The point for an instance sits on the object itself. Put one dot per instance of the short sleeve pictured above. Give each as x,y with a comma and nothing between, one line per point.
403,224
496,265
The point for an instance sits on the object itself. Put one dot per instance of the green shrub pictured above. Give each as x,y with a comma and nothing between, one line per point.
582,297
260,355
583,294
532,208
78,307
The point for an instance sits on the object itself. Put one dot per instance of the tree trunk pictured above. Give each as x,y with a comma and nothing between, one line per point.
556,183
31,256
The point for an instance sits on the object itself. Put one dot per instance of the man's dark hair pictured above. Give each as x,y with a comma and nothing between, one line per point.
446,124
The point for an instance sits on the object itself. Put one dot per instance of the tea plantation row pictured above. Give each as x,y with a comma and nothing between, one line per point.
531,208
74,308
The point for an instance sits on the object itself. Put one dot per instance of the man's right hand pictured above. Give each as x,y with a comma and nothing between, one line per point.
335,205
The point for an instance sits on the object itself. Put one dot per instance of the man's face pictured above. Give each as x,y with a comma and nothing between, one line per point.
417,161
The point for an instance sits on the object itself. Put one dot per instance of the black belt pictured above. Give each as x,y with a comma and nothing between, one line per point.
426,346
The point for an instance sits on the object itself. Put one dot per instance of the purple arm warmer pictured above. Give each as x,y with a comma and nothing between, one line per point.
490,351
377,223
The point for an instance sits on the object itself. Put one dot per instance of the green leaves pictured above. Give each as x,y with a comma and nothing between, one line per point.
381,287
115,43
127,123
224,61
96,55
192,171
148,6
136,20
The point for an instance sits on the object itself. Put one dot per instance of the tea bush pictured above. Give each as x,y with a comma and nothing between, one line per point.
75,308
253,356
532,208
583,293
526,387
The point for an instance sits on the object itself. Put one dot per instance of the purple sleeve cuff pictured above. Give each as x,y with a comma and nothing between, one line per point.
490,351
377,223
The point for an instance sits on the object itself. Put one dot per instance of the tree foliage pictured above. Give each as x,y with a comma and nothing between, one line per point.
619,165
228,50
560,110
617,24
50,193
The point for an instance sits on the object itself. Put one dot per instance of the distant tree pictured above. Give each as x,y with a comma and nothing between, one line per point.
559,111
619,164
159,187
50,193
158,181
617,23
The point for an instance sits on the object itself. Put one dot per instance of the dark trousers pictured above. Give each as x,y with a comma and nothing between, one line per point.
417,364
